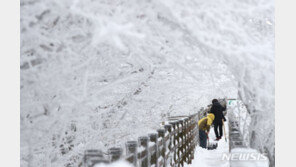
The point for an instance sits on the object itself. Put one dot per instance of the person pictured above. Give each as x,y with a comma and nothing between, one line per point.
204,125
217,109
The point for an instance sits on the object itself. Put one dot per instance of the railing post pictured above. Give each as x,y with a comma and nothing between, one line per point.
131,149
173,145
154,156
144,161
195,136
186,139
190,136
93,157
181,122
115,153
168,128
178,143
161,133
195,141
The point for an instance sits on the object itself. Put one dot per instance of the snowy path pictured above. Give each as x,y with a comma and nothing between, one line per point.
212,158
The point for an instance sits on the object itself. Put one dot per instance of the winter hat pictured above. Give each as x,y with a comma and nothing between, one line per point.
214,101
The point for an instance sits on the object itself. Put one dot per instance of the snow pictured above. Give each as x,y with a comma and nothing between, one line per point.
249,163
239,112
208,158
217,157
95,74
116,164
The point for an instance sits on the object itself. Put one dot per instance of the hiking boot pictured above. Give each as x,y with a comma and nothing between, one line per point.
217,139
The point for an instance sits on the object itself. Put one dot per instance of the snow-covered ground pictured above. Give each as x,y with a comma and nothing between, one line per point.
209,158
214,158
222,156
95,74
247,152
120,163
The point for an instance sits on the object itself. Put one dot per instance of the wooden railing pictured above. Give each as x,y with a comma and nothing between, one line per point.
173,144
235,136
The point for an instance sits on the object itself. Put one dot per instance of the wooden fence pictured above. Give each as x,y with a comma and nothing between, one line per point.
172,145
235,136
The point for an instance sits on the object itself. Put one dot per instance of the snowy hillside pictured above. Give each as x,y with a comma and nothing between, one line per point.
97,73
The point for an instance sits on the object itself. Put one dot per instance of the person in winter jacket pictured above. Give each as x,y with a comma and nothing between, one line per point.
217,109
204,125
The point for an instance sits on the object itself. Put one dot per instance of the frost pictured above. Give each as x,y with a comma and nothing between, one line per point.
115,70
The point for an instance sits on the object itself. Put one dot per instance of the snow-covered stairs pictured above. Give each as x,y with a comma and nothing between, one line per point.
212,158
234,145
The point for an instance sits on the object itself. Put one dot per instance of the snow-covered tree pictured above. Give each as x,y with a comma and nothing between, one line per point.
98,73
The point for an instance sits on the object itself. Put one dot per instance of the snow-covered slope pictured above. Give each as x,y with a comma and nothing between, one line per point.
98,73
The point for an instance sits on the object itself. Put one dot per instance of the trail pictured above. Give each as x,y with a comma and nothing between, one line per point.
212,158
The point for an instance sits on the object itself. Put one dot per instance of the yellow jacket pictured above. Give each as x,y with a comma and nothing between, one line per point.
206,122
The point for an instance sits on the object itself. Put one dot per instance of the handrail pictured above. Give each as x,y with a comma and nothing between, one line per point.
174,144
